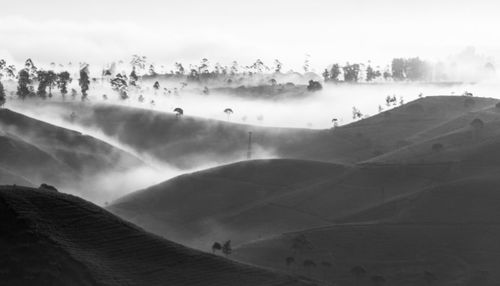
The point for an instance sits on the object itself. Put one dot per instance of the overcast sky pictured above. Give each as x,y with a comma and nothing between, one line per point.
99,31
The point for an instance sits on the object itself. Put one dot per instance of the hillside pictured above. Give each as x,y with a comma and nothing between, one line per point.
45,153
193,208
276,196
450,231
49,238
189,141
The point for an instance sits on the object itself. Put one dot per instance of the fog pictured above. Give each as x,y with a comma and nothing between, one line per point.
303,110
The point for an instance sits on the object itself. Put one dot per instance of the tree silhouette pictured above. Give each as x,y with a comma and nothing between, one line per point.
335,72
358,272
216,247
228,111
133,78
63,78
314,86
84,81
178,112
23,84
156,86
226,248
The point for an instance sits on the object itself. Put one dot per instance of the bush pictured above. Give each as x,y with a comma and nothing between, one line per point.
477,124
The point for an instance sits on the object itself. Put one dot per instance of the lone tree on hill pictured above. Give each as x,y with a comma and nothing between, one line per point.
226,248
216,247
228,112
178,112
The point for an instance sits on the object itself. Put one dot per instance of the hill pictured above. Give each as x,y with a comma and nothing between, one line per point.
45,153
449,231
255,199
193,208
49,238
189,141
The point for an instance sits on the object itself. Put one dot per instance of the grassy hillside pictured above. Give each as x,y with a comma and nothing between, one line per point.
45,153
49,238
194,208
190,141
449,230
254,199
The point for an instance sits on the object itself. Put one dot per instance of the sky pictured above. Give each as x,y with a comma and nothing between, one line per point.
325,31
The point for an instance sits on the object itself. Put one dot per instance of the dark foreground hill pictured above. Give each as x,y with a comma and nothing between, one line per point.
49,238
444,235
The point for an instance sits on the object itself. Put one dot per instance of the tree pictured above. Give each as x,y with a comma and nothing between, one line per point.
358,272
314,85
63,78
228,112
370,74
226,248
24,87
351,72
356,113
2,95
31,68
216,247
179,69
46,79
152,71
335,72
138,62
398,69
156,86
178,112
277,66
133,78
326,75
119,84
84,81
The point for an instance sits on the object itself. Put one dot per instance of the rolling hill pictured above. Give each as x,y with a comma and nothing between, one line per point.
49,238
190,141
449,231
45,153
280,195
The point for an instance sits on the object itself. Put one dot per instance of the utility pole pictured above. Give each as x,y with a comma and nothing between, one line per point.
249,151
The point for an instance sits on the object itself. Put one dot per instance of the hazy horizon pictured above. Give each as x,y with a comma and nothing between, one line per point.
168,31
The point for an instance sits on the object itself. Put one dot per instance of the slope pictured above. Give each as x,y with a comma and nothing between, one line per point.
49,238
